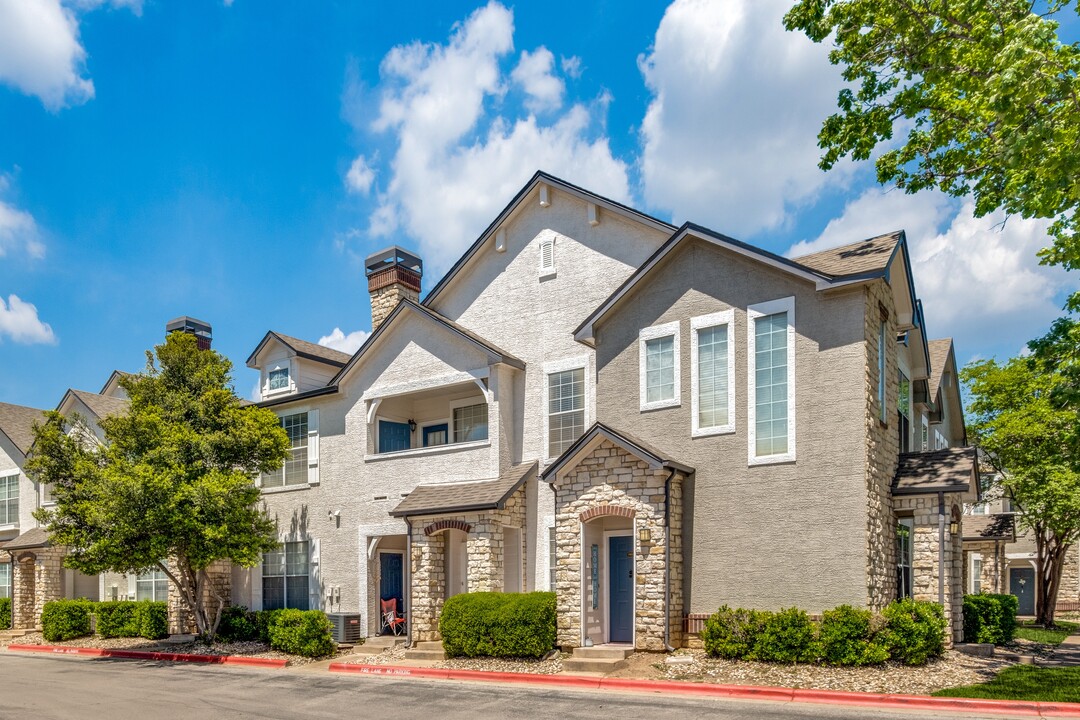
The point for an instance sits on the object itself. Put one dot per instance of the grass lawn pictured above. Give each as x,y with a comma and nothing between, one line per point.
1051,637
1025,682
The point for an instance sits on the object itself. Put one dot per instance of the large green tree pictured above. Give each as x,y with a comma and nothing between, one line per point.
171,488
1022,414
981,96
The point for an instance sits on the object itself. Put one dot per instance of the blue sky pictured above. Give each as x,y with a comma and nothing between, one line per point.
236,161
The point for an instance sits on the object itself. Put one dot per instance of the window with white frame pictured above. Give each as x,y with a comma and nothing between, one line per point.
9,500
547,256
980,509
976,573
553,558
278,379
924,444
46,494
566,409
903,408
771,375
153,585
285,577
295,469
882,386
5,580
471,422
940,443
658,347
904,554
712,368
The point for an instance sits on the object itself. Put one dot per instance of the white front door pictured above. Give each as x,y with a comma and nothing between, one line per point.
457,563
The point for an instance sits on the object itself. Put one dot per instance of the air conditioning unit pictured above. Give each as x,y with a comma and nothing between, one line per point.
347,627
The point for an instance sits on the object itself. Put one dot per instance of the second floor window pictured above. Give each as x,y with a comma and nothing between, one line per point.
659,366
471,423
903,405
279,379
566,409
9,500
881,371
285,577
712,389
295,469
153,585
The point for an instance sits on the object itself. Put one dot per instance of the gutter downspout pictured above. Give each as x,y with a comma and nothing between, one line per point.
408,583
941,549
667,562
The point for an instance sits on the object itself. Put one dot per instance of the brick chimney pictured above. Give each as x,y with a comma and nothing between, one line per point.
392,274
202,331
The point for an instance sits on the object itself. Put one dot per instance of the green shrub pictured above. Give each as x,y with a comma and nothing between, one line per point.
731,634
66,619
116,619
990,618
237,625
914,631
5,613
489,624
152,619
302,632
850,636
787,637
264,619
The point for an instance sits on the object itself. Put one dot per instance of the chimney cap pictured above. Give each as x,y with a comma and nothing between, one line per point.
185,323
394,255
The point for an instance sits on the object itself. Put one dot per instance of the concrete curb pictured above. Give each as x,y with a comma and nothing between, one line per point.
160,656
737,692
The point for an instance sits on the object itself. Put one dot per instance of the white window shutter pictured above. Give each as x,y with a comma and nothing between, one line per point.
314,577
256,586
313,447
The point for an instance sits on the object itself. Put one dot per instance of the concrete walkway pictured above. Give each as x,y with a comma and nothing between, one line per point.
1067,654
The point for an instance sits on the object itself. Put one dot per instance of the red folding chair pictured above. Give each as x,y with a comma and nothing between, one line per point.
391,619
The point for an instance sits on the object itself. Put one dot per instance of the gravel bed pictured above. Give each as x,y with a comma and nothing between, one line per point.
396,655
952,670
246,649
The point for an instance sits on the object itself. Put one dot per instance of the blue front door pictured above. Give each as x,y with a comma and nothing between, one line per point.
394,436
1022,585
390,579
621,579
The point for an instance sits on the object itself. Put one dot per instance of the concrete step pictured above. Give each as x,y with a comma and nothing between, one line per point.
593,665
603,652
386,641
426,651
13,634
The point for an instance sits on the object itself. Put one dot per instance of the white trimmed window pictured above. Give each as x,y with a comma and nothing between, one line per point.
5,580
279,379
712,373
905,550
9,500
940,443
566,409
470,422
771,379
553,559
925,442
903,407
295,469
285,578
153,585
976,573
658,348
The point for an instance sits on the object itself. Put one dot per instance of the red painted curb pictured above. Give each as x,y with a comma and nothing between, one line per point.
160,656
741,692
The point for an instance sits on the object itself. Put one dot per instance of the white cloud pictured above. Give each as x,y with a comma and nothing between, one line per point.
360,176
19,322
533,74
730,136
452,168
18,231
134,6
338,340
571,66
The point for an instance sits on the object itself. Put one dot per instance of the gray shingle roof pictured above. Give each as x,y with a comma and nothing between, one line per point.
949,470
17,421
642,449
314,350
990,527
461,496
865,256
35,538
102,405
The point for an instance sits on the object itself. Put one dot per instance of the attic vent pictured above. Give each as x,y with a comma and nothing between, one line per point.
380,497
547,256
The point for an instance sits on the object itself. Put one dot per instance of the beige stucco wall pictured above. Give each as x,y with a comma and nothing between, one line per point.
766,536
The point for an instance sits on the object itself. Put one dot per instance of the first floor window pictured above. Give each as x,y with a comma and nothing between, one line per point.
9,500
566,409
285,577
153,585
904,552
976,574
553,556
5,580
295,469
471,423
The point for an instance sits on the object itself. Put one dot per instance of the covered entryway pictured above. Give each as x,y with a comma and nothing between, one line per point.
456,559
1022,585
391,582
607,608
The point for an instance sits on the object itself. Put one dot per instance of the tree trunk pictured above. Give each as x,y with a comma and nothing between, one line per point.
1050,553
190,583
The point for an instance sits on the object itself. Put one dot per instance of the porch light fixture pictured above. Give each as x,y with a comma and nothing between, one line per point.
412,425
644,534
954,527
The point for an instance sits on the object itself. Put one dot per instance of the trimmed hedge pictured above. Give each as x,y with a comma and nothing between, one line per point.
302,632
238,625
264,619
152,619
5,613
66,619
491,624
990,618
906,631
116,619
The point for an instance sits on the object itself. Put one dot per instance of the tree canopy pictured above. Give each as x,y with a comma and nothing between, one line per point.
983,96
171,488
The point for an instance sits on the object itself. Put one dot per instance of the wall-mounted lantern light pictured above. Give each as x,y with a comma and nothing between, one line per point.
644,534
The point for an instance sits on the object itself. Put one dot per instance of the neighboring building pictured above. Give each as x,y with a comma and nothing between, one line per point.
650,420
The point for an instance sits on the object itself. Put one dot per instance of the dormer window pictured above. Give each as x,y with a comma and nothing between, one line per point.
279,379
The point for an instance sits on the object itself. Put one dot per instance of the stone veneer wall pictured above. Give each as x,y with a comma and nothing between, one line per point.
484,546
992,576
384,300
924,567
882,451
181,620
610,477
1070,576
37,578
